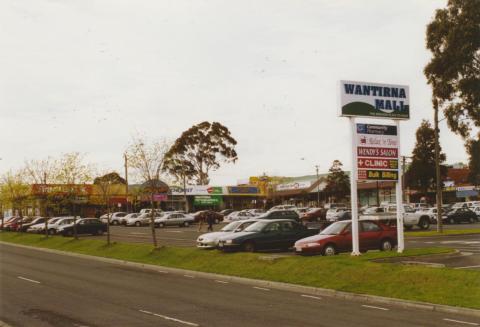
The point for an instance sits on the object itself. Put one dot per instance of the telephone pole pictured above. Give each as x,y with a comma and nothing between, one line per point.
318,187
437,169
126,178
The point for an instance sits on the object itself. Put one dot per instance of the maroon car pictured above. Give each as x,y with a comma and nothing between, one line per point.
337,238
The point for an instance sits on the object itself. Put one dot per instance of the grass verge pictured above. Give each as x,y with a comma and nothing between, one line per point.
445,232
342,272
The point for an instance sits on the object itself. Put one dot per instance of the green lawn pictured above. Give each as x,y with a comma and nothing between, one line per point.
342,272
445,232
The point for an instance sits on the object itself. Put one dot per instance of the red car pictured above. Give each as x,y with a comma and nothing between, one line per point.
13,224
337,238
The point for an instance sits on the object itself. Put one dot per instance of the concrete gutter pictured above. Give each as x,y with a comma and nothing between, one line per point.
270,284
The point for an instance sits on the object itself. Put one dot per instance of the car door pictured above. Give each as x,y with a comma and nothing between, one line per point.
370,234
291,232
344,242
270,237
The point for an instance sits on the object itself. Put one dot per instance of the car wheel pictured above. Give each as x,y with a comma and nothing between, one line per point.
69,233
249,247
161,225
217,221
386,245
51,231
186,224
424,223
472,220
451,221
329,250
138,224
99,232
115,222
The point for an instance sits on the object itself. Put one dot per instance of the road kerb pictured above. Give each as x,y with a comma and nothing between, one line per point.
374,299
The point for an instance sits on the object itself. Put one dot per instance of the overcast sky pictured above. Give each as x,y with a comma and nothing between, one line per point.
86,75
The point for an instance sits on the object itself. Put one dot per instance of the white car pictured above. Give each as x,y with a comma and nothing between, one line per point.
149,211
210,240
40,227
139,220
69,223
256,212
53,226
283,207
476,210
174,219
333,214
115,218
238,215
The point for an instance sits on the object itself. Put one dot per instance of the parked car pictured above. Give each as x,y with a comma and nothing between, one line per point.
40,227
266,235
14,223
92,226
335,206
53,225
147,210
459,215
280,214
115,218
337,238
283,207
256,212
226,212
210,240
25,226
174,219
7,220
477,212
313,214
333,214
123,220
141,219
238,215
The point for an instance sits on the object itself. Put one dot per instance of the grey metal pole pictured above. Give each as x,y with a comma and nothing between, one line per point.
437,170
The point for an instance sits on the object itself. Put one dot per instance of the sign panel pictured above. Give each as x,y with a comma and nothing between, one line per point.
197,190
377,163
378,175
160,197
377,152
243,190
365,99
383,141
293,186
207,200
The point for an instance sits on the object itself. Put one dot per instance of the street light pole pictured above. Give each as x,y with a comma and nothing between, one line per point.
437,169
318,187
126,178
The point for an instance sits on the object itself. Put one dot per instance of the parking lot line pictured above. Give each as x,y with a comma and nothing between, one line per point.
467,267
311,296
374,307
189,276
169,318
29,280
261,288
461,322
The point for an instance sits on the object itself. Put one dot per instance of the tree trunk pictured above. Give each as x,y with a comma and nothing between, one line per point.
152,222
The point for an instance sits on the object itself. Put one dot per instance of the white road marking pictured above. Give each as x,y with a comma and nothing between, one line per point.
261,288
374,307
29,280
169,318
173,231
189,276
221,281
467,267
461,322
311,296
429,242
138,233
162,271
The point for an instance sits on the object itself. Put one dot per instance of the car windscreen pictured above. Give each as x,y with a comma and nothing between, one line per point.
335,229
257,227
53,220
231,227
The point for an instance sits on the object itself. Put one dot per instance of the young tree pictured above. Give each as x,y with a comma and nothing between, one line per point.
43,172
148,159
338,183
106,183
14,191
421,172
199,150
453,37
72,171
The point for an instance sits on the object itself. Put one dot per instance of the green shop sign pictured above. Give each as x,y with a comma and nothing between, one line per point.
207,200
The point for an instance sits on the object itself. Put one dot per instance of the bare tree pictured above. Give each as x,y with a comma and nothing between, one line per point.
147,159
71,171
43,172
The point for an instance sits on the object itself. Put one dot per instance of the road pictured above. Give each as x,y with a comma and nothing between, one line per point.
45,289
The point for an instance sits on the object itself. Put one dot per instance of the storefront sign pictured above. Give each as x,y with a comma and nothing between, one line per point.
160,197
197,190
243,190
293,186
377,152
383,141
58,189
207,200
379,175
377,163
364,99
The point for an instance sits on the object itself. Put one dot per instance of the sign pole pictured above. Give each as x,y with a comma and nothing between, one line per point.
353,190
399,199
